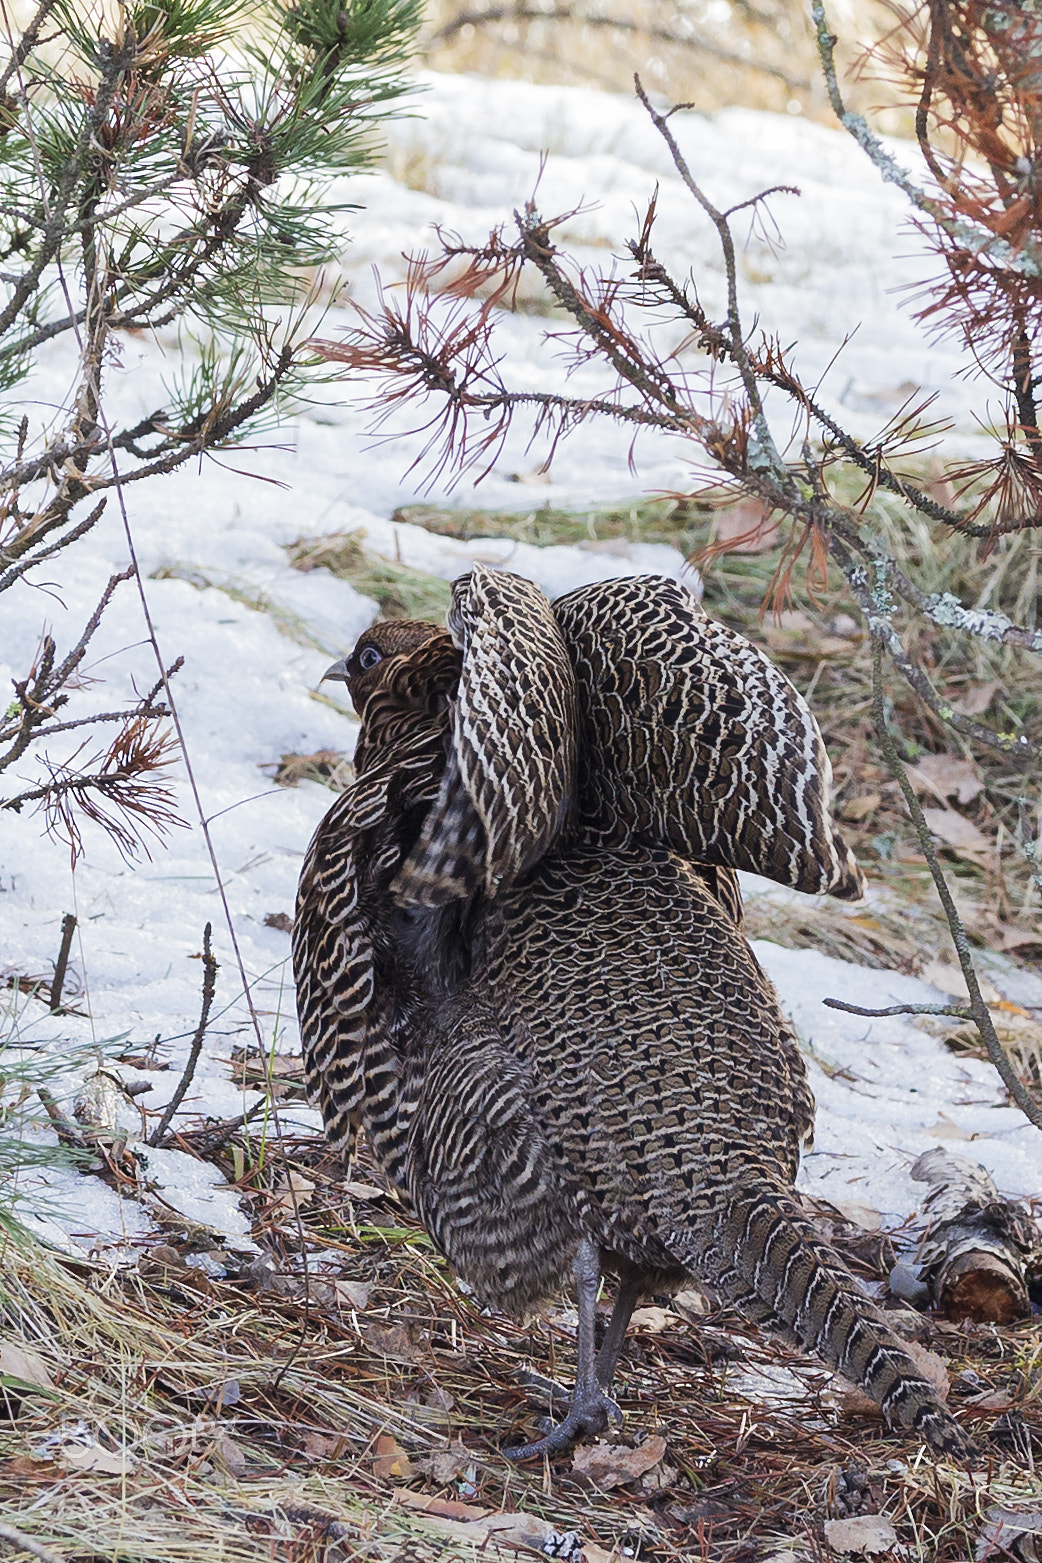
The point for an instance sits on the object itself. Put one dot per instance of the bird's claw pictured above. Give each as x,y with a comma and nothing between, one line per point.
588,1414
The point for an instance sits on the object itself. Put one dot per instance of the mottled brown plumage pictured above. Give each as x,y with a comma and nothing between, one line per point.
572,1057
691,738
617,1070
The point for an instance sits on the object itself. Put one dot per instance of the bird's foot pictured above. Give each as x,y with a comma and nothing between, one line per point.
590,1412
552,1394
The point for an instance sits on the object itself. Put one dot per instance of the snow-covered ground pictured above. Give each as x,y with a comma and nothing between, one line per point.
247,692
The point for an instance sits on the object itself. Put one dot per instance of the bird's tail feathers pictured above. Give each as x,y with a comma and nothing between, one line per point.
766,1257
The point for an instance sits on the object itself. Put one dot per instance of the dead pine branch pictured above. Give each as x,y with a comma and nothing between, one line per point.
978,1009
210,970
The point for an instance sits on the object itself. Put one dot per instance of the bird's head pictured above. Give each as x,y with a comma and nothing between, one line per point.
366,669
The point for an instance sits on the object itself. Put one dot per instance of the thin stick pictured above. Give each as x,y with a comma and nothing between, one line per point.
979,1012
210,970
67,1131
18,1538
206,1141
62,963
960,1013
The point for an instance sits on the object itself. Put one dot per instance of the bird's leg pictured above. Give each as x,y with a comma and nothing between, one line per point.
591,1409
630,1288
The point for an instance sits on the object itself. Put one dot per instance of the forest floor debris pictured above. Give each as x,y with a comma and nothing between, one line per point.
337,1396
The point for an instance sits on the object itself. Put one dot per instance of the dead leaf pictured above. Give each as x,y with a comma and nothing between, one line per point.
280,920
792,621
746,528
611,1465
483,1528
21,1363
451,1508
862,1535
793,632
352,1294
396,1342
446,1465
863,1216
976,698
323,1446
1010,1533
367,1191
860,808
391,1460
292,1191
228,1454
652,1319
98,1461
228,1393
957,832
24,1467
995,1400
1020,938
947,1129
946,777
950,980
690,1304
933,1368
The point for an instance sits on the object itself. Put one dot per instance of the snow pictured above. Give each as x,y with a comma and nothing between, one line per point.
211,541
887,1091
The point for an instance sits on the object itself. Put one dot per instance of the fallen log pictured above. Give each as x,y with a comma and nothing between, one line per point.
978,1249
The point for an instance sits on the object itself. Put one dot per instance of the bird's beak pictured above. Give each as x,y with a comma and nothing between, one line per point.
337,671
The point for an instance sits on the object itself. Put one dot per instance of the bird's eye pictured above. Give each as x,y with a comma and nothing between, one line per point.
368,657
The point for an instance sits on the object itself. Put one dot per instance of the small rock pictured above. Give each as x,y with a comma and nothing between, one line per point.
653,1319
905,1282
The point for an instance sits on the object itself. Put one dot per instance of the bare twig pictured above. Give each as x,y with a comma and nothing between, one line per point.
955,1010
67,1131
205,1142
978,1009
697,42
18,1538
61,964
210,970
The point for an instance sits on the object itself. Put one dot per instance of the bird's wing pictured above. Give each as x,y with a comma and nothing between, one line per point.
344,906
509,778
691,738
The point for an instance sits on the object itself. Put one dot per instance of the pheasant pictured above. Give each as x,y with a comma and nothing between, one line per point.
519,965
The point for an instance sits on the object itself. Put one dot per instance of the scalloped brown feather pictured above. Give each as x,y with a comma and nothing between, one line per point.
592,1050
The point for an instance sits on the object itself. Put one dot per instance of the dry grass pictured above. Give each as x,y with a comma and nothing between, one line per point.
400,591
267,1414
758,55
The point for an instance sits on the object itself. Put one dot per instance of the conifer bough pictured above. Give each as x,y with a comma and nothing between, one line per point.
160,165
